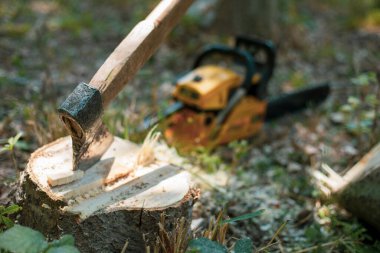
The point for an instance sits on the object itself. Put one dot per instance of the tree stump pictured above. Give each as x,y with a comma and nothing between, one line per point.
103,208
358,190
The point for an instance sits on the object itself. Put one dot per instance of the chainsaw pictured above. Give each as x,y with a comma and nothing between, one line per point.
216,104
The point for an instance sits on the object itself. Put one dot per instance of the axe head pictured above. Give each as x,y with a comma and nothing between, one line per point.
81,113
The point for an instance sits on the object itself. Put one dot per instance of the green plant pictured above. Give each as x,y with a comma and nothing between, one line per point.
372,19
207,160
240,149
333,233
297,80
10,147
20,239
5,221
361,110
352,13
217,230
274,239
205,245
214,237
243,217
175,241
44,122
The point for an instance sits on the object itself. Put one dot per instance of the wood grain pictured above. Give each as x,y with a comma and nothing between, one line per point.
102,217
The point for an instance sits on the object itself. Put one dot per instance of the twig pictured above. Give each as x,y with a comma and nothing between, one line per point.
266,247
14,160
331,173
329,183
125,246
278,231
280,247
275,236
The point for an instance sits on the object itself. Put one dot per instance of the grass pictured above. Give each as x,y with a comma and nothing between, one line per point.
10,147
175,241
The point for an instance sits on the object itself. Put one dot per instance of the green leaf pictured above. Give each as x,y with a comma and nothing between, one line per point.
22,240
371,99
204,245
5,148
367,249
11,143
63,249
11,209
13,140
244,217
8,222
346,108
361,80
314,234
65,240
22,145
244,245
353,101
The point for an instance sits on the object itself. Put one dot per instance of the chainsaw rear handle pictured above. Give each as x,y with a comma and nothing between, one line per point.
236,54
266,66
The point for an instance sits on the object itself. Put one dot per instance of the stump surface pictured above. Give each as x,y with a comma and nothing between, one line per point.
111,203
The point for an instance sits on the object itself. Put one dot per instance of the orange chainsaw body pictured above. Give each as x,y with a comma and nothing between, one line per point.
205,91
215,104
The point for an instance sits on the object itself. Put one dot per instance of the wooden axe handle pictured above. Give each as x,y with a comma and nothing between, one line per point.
139,45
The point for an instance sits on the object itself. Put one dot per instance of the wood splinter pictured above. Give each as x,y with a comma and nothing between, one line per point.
64,177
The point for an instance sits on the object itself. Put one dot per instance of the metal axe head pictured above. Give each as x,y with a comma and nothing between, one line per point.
81,113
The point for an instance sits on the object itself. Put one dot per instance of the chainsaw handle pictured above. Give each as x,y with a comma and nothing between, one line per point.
264,67
236,54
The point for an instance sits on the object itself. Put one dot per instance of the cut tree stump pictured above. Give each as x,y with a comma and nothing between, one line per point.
104,207
358,190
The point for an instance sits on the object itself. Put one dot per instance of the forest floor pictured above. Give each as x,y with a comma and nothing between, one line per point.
47,48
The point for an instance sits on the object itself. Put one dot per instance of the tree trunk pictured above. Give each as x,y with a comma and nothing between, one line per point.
102,217
261,18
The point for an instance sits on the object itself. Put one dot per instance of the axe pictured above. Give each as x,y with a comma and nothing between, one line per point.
82,110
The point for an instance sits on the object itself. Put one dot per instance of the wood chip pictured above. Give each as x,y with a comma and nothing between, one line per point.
64,177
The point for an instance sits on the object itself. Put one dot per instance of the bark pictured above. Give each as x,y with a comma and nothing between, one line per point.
261,18
358,190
